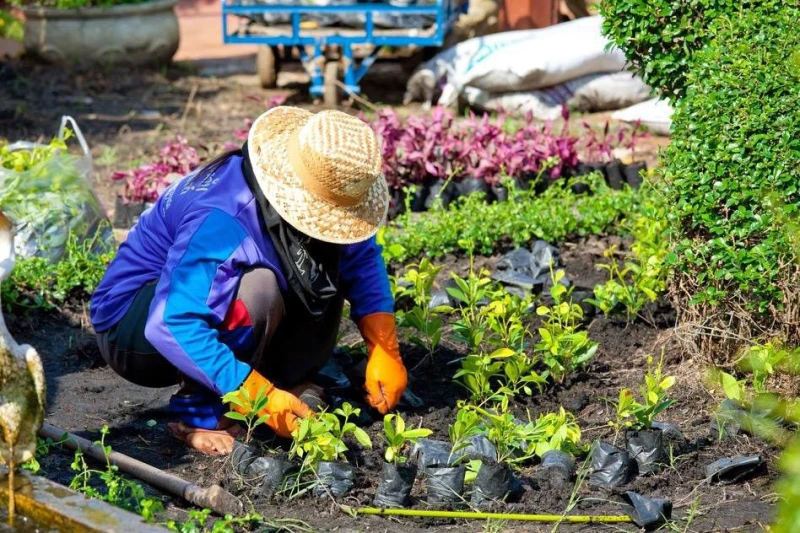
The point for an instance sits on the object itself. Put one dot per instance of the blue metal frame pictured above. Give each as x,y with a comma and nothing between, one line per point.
445,12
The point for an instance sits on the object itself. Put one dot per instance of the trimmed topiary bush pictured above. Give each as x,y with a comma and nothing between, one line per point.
659,37
732,176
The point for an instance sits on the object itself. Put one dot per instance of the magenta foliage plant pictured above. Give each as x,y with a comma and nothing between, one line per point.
423,149
146,182
598,147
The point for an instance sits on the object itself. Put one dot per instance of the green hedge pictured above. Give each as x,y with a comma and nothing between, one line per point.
733,170
659,37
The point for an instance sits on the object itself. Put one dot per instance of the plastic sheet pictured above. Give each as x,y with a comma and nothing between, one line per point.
396,484
647,448
558,466
445,485
444,190
420,198
433,453
611,466
335,479
633,173
266,472
734,469
469,185
479,448
648,513
728,420
440,298
493,483
527,270
672,434
53,200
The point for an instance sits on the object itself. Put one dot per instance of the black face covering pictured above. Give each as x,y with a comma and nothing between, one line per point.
311,266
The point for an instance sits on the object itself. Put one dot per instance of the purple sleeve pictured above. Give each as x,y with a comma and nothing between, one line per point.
189,303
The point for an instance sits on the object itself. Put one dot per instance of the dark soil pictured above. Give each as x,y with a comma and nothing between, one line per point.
84,395
128,116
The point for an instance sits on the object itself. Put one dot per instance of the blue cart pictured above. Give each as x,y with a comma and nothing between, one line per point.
335,57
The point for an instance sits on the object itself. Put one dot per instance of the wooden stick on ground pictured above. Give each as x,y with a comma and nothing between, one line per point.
215,497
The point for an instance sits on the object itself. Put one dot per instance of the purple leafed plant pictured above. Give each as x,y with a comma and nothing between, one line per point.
423,149
145,183
598,147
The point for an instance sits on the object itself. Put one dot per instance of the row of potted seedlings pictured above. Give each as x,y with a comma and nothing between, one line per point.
484,448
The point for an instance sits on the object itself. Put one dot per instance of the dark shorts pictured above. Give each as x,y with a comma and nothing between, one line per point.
280,342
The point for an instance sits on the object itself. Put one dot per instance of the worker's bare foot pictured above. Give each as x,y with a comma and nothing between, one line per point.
208,441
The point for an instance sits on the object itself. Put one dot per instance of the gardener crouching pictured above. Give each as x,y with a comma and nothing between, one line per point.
237,277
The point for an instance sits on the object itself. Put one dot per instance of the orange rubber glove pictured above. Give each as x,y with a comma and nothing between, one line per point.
282,407
386,375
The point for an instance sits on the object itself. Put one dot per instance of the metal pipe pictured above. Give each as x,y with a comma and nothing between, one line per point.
215,497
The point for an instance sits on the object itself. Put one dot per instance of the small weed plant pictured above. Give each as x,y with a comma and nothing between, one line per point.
110,486
200,521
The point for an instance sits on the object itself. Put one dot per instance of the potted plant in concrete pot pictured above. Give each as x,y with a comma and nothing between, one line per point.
101,32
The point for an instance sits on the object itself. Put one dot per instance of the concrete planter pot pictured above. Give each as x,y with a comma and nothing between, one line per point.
135,34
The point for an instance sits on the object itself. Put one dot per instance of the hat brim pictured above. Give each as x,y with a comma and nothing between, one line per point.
316,217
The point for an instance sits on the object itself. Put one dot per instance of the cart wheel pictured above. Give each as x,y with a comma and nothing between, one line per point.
266,66
330,96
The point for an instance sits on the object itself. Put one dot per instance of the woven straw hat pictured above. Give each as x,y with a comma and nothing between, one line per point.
321,172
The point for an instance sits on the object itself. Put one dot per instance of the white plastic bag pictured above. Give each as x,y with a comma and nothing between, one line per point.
523,60
654,114
53,199
595,92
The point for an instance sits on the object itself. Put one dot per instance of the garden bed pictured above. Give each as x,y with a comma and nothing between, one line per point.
84,395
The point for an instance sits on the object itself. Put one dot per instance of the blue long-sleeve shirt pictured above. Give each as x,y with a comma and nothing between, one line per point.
196,242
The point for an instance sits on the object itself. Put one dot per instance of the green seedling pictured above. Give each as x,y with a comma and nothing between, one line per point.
419,280
635,415
504,318
114,488
559,431
320,437
563,348
466,424
397,437
250,410
500,373
512,439
471,327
